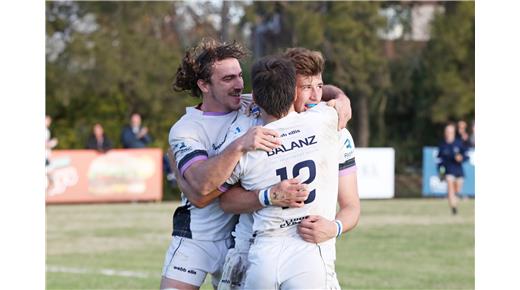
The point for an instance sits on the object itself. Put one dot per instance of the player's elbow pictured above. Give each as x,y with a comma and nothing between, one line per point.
357,215
199,202
200,187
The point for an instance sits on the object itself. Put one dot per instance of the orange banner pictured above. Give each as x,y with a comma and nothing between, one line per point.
82,176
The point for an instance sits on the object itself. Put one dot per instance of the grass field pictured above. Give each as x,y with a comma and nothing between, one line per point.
398,244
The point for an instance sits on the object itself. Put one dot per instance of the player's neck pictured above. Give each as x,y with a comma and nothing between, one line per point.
266,118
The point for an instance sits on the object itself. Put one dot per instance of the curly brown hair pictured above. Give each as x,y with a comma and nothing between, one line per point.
307,62
198,62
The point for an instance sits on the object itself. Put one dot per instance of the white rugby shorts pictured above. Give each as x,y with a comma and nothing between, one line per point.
189,261
286,263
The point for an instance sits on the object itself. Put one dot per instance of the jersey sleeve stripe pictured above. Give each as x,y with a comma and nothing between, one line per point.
349,163
224,187
348,171
191,158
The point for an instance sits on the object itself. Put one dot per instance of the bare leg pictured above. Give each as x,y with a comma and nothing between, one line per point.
452,197
167,283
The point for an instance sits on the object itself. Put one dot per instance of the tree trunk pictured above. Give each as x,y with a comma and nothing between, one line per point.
224,21
363,125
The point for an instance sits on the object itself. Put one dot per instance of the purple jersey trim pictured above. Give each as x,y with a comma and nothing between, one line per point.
189,163
347,171
214,113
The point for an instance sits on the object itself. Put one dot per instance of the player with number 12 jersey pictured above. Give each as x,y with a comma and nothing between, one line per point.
310,151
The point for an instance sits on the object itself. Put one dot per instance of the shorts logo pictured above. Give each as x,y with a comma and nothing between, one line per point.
184,270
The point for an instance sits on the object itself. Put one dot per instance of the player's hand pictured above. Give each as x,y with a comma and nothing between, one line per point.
458,157
342,105
289,193
259,138
317,229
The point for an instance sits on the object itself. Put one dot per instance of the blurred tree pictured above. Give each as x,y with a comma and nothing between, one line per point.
449,64
115,58
354,51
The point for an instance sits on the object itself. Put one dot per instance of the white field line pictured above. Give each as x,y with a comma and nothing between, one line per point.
106,272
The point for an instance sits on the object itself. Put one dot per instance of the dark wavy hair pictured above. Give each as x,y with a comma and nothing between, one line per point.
198,62
274,83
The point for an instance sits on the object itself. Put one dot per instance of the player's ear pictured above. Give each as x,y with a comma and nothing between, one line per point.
295,95
203,85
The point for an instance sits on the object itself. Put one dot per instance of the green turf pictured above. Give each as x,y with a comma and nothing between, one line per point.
398,244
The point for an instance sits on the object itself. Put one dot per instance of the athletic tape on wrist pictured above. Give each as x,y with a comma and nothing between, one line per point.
339,226
264,198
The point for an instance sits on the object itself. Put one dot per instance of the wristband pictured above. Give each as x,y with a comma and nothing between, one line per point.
339,225
264,197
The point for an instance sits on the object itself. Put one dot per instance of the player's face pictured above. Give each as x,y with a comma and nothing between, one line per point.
308,91
226,85
449,133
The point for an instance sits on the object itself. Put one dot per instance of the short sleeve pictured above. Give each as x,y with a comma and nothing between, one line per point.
347,160
187,148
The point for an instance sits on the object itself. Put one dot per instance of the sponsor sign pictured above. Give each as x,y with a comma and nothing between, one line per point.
116,176
375,172
434,186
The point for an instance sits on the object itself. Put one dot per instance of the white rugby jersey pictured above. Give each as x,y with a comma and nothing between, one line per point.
195,137
308,139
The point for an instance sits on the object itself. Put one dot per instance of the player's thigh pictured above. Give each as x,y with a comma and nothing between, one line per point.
450,180
167,283
263,261
306,269
187,261
459,182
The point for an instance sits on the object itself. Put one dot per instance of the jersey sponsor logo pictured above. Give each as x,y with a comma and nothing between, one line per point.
181,148
216,147
307,141
292,222
347,143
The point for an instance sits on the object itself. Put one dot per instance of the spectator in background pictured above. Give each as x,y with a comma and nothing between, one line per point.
98,140
135,135
462,133
452,154
49,144
472,136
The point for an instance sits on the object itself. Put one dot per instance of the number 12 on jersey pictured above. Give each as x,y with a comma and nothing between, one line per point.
282,172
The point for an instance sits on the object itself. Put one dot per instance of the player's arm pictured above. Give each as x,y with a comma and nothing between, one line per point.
335,97
317,229
206,175
287,193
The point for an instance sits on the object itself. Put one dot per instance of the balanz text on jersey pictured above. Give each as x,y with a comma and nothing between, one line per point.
307,141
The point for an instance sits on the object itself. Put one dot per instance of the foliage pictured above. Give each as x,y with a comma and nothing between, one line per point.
108,59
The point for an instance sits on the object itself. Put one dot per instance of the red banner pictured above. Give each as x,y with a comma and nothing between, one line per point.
81,176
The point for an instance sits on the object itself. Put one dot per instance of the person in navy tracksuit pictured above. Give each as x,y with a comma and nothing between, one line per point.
452,153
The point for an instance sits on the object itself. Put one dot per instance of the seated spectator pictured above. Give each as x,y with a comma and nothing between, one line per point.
98,140
135,135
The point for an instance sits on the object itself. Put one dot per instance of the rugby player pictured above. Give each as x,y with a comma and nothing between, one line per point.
201,236
308,140
316,228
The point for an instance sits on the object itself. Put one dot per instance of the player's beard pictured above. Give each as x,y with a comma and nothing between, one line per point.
235,96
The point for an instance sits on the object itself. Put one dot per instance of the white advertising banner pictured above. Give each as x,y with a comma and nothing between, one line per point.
375,172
